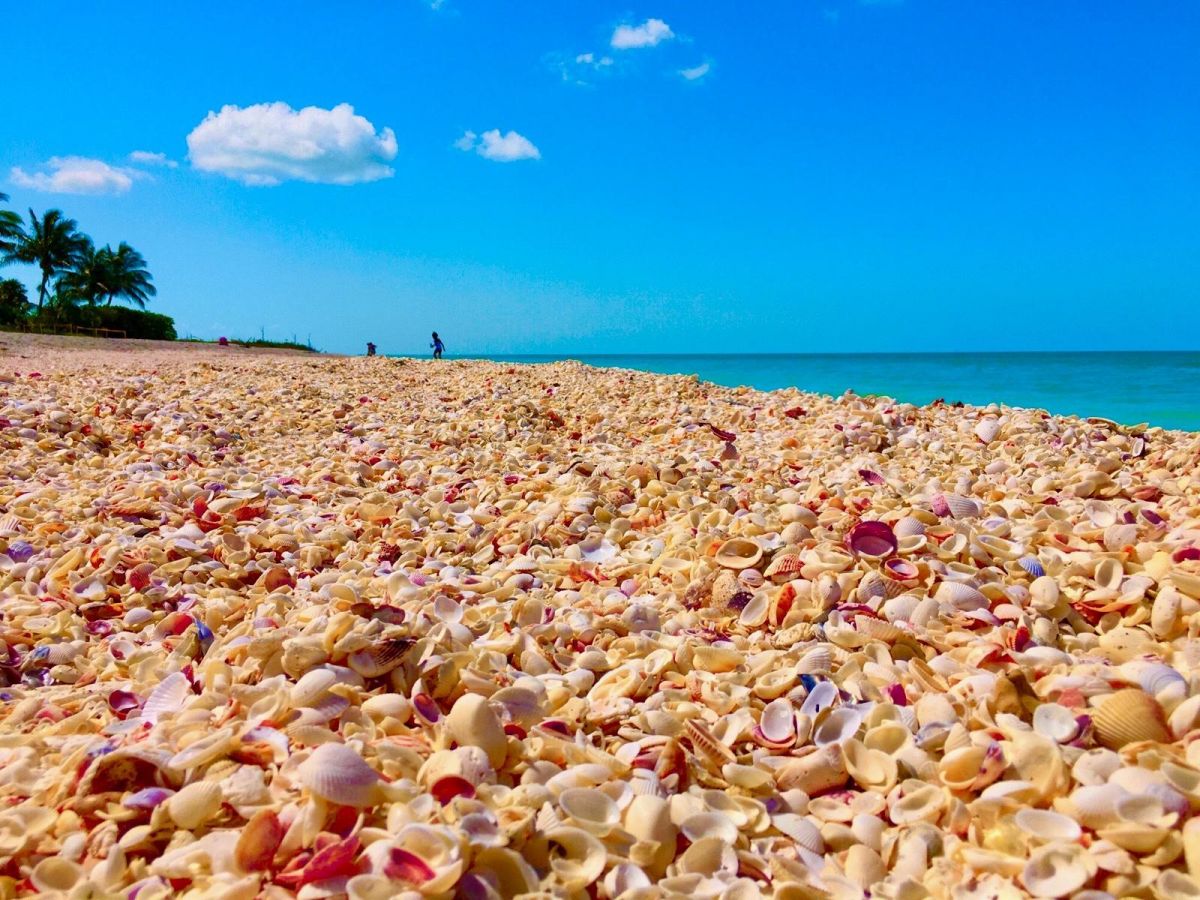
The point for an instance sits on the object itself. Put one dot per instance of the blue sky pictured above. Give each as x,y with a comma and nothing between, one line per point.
915,175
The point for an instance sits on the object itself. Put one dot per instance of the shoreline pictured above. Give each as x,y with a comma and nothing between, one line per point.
499,616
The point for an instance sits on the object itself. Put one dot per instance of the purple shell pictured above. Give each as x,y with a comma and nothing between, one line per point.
1152,517
939,505
872,538
870,477
147,798
19,551
1031,565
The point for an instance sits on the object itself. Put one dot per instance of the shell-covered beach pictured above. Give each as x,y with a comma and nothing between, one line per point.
288,625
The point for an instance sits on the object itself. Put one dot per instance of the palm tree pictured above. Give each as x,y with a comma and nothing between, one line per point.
54,243
88,279
10,232
127,276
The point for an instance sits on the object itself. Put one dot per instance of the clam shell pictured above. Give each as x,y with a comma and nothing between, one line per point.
872,539
1130,716
738,553
578,858
590,809
1045,826
909,526
823,695
1055,722
195,804
1032,565
167,698
777,725
961,596
258,842
337,773
784,567
870,769
379,659
987,430
1057,870
836,726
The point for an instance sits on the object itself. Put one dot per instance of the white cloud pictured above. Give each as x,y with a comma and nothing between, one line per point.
499,147
648,34
269,143
696,72
76,175
147,158
596,62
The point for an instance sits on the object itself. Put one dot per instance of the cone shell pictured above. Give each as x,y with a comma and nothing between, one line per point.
1128,717
337,773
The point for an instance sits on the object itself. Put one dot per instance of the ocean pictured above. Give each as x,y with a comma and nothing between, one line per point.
1161,389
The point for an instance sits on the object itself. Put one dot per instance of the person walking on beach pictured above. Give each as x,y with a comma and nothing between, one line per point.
370,349
438,346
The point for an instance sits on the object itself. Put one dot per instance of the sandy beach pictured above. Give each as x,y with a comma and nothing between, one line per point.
281,624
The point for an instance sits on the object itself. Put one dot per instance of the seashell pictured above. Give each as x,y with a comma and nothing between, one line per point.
836,726
729,593
821,697
986,430
1156,679
961,596
648,820
777,724
822,769
1055,722
1057,870
1045,826
1032,565
801,830
195,804
590,809
258,842
872,538
706,745
870,769
204,750
309,688
379,659
901,569
167,698
473,722
908,526
708,856
971,768
1130,716
784,567
818,661
448,787
738,553
56,875
578,858
337,773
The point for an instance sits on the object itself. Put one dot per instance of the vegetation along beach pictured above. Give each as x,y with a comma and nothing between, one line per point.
293,625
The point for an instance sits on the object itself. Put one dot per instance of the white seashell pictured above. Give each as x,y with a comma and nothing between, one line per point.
778,722
1046,826
1057,870
801,830
195,804
986,430
1056,722
203,751
167,698
709,824
821,697
589,808
1095,806
961,596
837,726
472,721
909,526
337,773
311,686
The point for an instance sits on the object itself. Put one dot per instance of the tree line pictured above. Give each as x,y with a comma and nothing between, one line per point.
78,278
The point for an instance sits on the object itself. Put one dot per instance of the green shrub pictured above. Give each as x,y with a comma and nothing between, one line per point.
136,323
14,303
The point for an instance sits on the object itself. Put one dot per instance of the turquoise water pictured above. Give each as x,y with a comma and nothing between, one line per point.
1159,388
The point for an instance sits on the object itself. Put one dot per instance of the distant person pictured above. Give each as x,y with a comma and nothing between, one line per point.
370,349
438,346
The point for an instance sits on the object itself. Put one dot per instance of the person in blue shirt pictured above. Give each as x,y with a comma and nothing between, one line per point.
438,346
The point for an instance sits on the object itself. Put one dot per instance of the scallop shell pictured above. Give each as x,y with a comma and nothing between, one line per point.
706,744
872,538
961,596
195,804
784,567
963,507
1130,716
817,661
987,430
1032,565
738,553
167,698
909,526
379,659
337,773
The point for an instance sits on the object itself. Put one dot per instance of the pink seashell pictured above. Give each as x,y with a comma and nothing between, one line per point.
777,725
426,708
123,702
405,866
872,539
939,505
901,569
871,477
